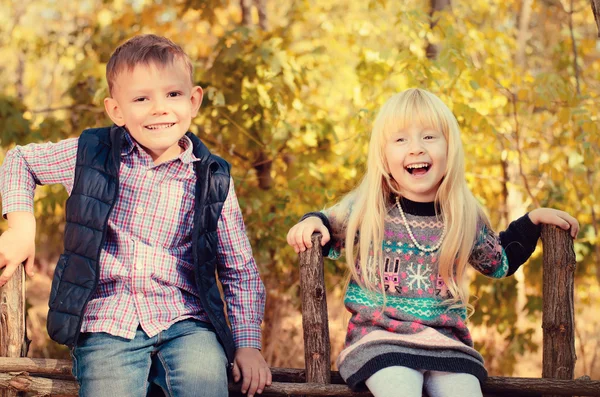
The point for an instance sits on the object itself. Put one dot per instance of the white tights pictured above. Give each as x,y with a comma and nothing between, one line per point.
408,382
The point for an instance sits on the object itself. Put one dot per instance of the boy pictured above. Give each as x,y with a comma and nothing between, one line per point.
151,215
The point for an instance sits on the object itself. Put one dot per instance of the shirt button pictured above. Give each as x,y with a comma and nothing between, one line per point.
139,210
140,295
149,173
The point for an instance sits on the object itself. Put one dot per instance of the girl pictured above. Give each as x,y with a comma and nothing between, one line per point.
410,229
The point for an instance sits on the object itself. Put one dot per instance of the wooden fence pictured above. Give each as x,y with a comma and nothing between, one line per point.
43,377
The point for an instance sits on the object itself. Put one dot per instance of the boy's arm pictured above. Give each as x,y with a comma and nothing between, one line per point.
243,289
35,164
23,168
245,296
17,245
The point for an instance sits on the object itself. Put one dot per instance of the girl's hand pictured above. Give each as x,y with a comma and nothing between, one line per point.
550,216
299,236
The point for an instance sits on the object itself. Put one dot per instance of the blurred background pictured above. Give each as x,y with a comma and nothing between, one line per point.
292,87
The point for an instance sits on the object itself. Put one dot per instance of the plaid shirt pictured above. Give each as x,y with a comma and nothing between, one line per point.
146,265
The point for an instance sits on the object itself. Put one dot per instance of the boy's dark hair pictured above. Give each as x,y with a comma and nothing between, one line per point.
145,49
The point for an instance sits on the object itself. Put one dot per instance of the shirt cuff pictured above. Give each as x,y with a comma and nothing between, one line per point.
247,335
525,224
17,201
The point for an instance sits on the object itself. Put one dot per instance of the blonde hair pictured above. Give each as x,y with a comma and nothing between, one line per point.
367,205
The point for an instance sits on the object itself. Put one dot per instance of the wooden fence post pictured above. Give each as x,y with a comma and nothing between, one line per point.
558,319
13,335
315,322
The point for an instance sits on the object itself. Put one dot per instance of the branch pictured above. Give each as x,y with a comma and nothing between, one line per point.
595,227
574,48
243,130
261,7
596,11
520,155
89,108
246,6
213,142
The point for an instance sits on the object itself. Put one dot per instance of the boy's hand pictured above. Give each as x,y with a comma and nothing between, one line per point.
17,245
300,234
559,218
250,365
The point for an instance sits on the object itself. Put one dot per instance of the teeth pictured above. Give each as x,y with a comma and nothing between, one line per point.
159,126
417,165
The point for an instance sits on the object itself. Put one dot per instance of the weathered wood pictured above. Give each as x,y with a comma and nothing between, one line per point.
23,382
42,377
315,322
291,381
38,366
558,307
12,320
495,386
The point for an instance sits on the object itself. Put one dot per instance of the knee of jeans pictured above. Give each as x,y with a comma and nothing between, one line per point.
211,374
211,379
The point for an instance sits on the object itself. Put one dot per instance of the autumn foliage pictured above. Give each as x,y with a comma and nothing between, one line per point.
291,88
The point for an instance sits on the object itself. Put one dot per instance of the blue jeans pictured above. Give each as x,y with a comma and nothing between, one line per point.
184,360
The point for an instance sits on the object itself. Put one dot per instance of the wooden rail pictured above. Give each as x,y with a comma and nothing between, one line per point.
43,377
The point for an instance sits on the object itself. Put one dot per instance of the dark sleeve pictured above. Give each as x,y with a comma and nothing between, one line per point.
327,224
519,241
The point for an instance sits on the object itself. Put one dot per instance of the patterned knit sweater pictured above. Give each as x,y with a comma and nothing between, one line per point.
414,329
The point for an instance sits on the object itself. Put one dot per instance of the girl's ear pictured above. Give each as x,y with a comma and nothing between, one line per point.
114,111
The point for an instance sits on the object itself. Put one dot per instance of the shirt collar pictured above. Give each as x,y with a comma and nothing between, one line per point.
414,207
418,208
128,144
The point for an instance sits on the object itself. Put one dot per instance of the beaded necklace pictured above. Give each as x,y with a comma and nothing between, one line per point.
412,237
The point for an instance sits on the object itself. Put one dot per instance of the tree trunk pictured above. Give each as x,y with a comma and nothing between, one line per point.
432,50
263,165
523,34
246,6
596,11
261,7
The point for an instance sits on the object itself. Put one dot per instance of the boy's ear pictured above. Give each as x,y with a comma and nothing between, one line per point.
196,99
114,112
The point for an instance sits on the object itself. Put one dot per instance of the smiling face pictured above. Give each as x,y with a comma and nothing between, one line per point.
417,159
156,103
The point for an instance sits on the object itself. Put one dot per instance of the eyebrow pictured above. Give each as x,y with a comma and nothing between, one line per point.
145,91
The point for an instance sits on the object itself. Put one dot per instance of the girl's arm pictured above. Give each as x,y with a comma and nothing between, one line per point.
299,236
550,216
325,222
501,255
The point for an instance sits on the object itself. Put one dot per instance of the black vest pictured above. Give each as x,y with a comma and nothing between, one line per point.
95,192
